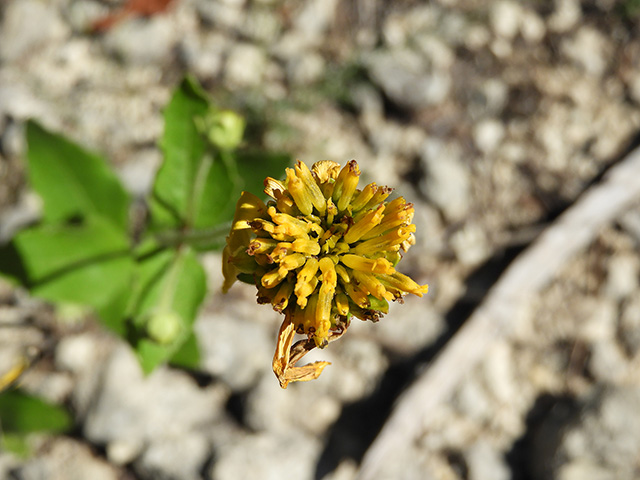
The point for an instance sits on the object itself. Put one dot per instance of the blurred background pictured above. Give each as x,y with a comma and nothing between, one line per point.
492,117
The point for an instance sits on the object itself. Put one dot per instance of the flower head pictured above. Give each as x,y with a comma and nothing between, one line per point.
320,251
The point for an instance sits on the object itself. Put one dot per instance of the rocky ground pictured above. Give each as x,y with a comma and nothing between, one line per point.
492,117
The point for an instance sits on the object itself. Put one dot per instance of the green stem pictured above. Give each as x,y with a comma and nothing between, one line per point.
171,282
194,237
200,182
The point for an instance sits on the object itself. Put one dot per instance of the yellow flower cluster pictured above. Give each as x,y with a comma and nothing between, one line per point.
320,251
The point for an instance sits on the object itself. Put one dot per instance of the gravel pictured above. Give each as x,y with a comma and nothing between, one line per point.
491,117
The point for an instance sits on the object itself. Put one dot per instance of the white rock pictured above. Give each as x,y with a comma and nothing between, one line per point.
315,16
408,327
83,355
486,462
630,325
203,54
599,319
608,362
477,37
166,404
26,211
634,86
565,16
440,55
361,366
472,399
619,419
245,66
234,348
228,15
623,271
501,48
368,101
272,409
82,15
28,25
532,26
182,457
346,470
143,41
499,373
589,49
505,18
488,134
124,451
470,245
585,470
292,44
9,463
262,25
274,456
413,84
496,93
235,3
413,463
447,181
305,69
212,264
394,31
604,445
67,459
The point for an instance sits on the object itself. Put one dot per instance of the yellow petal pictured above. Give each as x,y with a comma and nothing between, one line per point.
299,193
273,278
261,245
357,262
306,281
229,270
274,188
306,246
357,294
391,220
403,283
370,283
342,304
281,300
378,197
346,185
384,242
292,262
313,191
362,226
325,170
363,197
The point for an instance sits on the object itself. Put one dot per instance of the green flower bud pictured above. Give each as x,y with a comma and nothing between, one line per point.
164,327
223,128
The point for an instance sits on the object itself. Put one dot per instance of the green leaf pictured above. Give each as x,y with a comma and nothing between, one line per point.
188,356
103,285
197,186
87,264
73,181
255,165
184,147
22,413
12,266
228,176
219,194
17,444
50,249
170,282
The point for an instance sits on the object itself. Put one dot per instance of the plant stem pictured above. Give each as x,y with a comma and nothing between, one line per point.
194,237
